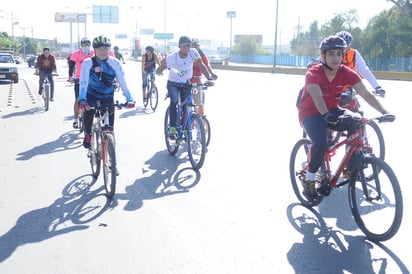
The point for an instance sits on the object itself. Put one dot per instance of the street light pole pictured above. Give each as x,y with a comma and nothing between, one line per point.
231,15
276,37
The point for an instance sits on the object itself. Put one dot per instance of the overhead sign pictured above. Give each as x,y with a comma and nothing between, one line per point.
231,14
163,36
70,17
106,14
120,36
147,31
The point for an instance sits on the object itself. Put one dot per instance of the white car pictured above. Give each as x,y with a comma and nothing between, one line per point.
215,59
8,68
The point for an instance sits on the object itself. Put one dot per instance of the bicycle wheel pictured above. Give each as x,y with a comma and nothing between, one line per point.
95,154
172,145
81,124
46,96
109,165
154,98
146,98
374,138
297,168
196,142
377,206
207,129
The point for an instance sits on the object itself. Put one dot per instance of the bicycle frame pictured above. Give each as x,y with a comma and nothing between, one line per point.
187,116
355,143
101,126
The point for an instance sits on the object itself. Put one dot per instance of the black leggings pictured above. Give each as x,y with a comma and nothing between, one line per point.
89,115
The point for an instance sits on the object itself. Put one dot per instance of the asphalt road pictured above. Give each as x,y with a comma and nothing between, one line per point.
238,214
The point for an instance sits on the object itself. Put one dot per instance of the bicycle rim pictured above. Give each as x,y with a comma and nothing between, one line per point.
172,145
196,142
109,165
379,216
207,129
297,169
94,154
154,98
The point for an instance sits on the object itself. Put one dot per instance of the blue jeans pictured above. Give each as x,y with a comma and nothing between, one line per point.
144,77
173,92
49,74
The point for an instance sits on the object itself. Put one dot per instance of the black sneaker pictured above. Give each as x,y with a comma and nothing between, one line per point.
75,124
40,92
86,141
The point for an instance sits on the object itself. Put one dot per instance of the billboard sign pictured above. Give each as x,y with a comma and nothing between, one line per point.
70,17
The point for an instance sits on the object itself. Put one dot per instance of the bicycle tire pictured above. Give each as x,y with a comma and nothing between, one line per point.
46,96
154,97
146,98
378,219
207,129
297,166
80,123
379,143
196,142
172,145
109,165
95,154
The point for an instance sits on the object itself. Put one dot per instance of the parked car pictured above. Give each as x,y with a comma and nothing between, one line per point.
8,68
32,61
215,59
18,59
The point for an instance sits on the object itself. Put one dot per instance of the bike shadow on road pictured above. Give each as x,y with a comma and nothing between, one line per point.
137,111
66,141
79,204
326,250
31,111
163,175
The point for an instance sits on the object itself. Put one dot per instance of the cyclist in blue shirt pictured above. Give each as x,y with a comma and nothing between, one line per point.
96,83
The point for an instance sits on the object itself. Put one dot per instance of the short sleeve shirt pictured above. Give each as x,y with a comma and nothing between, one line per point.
181,69
331,90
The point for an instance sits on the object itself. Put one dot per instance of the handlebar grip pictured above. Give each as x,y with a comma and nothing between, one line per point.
386,118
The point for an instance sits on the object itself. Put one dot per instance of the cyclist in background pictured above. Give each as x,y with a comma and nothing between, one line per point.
96,83
353,59
75,64
118,55
319,105
46,66
199,97
149,61
180,65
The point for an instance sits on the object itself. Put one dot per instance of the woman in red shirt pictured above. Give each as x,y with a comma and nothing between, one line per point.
319,104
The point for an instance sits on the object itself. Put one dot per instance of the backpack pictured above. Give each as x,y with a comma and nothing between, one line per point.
299,99
107,80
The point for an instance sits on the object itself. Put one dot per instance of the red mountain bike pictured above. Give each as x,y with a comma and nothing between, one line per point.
375,196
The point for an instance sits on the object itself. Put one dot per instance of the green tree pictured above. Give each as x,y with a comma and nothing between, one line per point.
246,46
